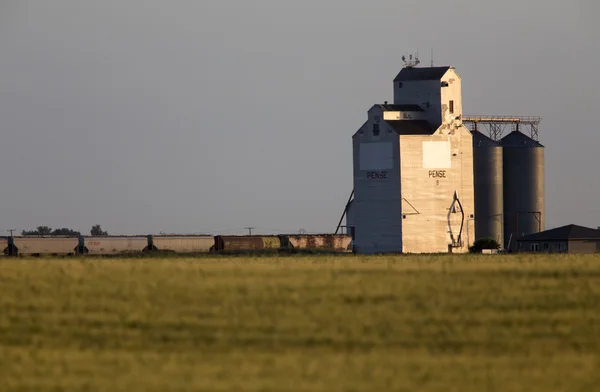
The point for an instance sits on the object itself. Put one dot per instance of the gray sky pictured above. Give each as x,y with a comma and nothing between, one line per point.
200,116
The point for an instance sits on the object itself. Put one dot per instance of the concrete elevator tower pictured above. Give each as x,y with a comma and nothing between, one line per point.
413,169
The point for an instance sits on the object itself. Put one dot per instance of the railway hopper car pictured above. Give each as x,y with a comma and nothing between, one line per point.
246,242
41,246
331,242
4,246
113,245
181,243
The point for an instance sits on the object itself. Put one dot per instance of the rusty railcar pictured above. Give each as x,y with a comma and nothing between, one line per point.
113,245
246,242
41,246
182,243
331,242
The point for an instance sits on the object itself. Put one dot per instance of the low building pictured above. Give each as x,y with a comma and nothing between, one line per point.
567,239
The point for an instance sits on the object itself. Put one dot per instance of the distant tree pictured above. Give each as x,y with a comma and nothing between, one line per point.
484,243
65,231
41,230
97,231
45,230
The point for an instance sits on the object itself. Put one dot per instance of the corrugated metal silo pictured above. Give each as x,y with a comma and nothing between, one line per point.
524,201
487,172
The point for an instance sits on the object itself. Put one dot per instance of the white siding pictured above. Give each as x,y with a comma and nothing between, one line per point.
430,192
376,207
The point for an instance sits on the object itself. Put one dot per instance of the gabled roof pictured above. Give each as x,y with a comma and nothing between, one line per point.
361,127
411,127
429,73
564,233
482,141
518,139
401,108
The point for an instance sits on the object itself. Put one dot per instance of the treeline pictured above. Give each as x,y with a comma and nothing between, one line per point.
96,231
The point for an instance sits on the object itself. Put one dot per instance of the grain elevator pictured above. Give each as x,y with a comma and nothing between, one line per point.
425,183
413,169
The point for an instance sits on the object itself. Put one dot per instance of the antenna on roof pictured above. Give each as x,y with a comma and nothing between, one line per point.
410,63
431,57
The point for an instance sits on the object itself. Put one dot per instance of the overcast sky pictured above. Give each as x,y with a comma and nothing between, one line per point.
204,116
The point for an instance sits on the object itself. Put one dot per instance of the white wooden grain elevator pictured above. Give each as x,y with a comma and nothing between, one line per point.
413,169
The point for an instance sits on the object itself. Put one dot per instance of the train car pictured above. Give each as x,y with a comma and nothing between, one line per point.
246,242
114,245
331,242
182,243
4,246
42,246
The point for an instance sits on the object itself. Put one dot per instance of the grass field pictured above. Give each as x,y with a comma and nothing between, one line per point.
310,323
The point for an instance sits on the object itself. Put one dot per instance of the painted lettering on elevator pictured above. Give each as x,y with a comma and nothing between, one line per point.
377,175
437,173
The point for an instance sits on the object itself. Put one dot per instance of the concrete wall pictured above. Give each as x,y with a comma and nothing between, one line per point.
376,208
428,188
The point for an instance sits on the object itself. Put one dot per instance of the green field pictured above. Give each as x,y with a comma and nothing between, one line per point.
310,323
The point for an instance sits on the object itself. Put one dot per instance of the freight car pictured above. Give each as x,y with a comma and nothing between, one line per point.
102,245
330,242
115,245
4,245
246,242
41,246
181,243
112,245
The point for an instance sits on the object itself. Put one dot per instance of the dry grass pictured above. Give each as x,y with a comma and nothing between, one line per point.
311,323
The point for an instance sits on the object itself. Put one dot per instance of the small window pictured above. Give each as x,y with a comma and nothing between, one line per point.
451,107
444,84
562,247
546,246
399,84
375,129
534,247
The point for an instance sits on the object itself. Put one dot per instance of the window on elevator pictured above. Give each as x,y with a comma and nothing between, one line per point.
375,129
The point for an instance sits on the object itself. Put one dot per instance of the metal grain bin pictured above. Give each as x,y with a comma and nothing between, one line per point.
337,242
40,245
488,187
111,245
183,244
523,176
246,242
